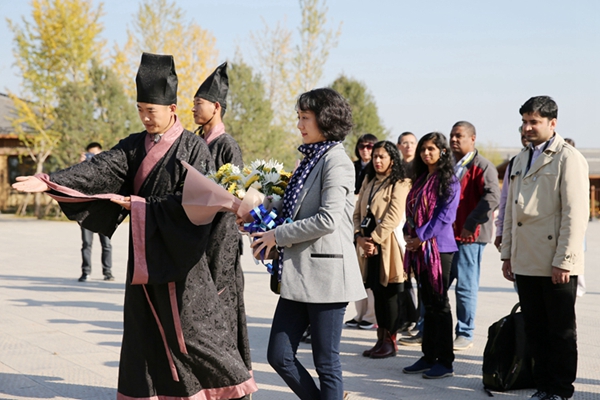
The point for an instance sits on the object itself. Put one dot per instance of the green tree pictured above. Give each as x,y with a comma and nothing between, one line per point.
51,50
160,27
364,111
249,118
96,111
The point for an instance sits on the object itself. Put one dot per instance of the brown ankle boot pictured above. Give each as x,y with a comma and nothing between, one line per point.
367,353
388,347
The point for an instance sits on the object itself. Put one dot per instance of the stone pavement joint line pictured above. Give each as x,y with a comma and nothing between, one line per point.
60,339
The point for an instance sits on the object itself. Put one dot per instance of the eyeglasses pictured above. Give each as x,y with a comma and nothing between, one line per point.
363,146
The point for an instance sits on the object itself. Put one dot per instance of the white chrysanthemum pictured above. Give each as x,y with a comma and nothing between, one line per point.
235,170
241,193
256,164
269,165
275,197
272,177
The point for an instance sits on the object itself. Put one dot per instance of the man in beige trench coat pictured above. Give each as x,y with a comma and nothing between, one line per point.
547,211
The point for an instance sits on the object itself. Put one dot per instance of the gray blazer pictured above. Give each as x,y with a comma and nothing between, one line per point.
319,264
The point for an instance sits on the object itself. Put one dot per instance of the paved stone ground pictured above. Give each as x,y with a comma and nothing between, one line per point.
60,339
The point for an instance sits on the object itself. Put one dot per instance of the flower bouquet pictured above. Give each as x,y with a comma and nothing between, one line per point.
253,193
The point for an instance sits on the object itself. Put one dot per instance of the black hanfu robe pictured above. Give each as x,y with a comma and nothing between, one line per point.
177,342
224,250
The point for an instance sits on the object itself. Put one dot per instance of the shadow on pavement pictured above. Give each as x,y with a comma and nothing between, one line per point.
86,304
47,387
56,284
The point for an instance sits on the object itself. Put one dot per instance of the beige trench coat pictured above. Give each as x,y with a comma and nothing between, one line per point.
547,211
388,205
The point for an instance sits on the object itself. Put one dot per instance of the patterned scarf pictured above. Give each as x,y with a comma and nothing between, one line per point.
460,169
312,154
420,203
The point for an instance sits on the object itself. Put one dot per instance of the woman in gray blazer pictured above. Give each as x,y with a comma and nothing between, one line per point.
317,267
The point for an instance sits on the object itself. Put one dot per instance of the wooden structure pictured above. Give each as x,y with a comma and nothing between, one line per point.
14,159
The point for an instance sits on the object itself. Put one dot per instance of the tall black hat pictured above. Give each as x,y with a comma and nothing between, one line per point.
215,87
156,80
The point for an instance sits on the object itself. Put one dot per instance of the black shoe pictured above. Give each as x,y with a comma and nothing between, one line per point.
366,325
83,277
109,277
351,323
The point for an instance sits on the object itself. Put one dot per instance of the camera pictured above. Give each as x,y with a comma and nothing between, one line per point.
366,222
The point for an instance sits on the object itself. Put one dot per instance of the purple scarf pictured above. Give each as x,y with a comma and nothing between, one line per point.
312,154
420,203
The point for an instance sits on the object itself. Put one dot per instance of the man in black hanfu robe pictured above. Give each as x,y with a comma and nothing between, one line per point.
177,343
224,247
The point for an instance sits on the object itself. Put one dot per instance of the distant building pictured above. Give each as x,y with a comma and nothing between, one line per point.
14,159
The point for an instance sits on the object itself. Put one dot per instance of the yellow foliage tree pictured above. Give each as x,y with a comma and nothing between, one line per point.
159,27
54,48
289,71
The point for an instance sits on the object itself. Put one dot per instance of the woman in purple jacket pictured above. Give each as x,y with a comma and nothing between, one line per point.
430,212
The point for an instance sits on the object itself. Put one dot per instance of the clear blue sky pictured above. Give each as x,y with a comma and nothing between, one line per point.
428,64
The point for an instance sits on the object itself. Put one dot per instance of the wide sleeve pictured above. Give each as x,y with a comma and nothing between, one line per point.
443,215
393,214
105,173
337,183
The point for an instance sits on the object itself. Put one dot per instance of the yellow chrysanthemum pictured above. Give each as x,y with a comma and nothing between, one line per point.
232,188
277,190
286,175
232,178
251,181
224,168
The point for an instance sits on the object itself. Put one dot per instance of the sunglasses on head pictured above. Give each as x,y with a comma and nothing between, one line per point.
363,146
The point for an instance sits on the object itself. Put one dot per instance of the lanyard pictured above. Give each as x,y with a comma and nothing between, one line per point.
371,194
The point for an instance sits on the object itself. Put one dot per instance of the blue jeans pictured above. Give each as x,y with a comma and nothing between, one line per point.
466,266
289,323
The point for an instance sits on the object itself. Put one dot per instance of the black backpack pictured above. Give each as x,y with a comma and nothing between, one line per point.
507,362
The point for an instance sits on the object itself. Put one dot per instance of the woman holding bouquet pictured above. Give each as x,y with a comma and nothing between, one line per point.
430,212
318,271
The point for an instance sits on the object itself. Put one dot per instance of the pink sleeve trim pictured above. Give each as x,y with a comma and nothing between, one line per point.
138,233
74,195
229,392
164,338
176,319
